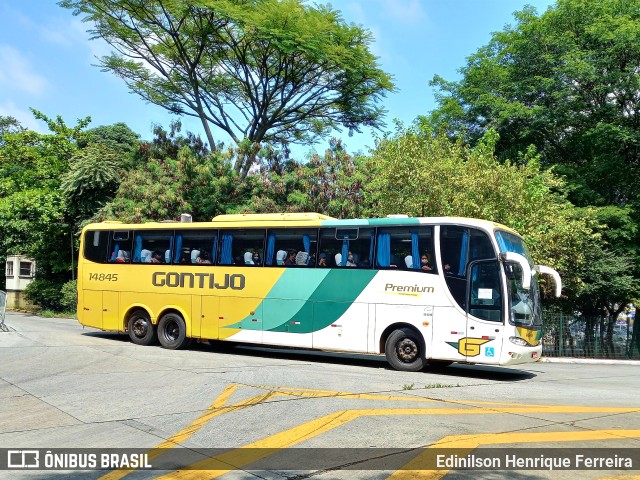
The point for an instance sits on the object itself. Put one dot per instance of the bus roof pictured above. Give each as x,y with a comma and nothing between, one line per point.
264,220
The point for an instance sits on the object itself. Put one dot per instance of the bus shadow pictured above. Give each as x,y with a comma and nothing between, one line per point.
120,337
487,372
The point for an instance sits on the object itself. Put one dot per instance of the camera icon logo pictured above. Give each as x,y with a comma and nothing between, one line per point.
23,459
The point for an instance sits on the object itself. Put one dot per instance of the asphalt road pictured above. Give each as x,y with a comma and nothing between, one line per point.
310,414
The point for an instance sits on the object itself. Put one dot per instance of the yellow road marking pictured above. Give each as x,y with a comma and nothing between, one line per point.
250,453
312,392
622,477
215,409
419,467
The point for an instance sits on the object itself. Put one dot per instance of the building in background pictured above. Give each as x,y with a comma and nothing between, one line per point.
19,273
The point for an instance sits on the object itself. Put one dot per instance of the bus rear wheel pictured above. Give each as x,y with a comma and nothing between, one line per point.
404,350
141,330
172,332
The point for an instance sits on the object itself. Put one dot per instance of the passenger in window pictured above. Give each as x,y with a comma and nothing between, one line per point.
156,257
280,256
351,261
447,269
256,259
203,259
248,258
425,262
302,258
322,260
291,258
123,257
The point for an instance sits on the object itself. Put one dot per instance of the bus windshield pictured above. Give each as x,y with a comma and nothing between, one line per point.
525,304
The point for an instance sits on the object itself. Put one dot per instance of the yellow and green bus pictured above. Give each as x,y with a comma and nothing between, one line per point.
419,290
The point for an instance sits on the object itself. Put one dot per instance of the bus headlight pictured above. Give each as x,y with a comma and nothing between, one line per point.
519,341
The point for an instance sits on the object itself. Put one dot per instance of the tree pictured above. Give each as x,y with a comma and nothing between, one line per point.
567,82
92,181
422,173
9,125
259,70
176,174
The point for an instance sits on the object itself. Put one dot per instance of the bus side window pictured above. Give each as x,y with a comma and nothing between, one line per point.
346,247
403,247
242,247
96,246
280,242
195,247
151,246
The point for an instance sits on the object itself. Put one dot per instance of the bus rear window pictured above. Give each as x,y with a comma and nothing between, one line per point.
96,245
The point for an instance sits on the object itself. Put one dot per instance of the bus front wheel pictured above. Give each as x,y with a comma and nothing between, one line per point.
141,330
404,350
172,332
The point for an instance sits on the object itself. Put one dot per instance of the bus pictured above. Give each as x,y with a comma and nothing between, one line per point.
422,291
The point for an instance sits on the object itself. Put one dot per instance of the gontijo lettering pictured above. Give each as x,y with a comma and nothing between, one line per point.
390,287
197,280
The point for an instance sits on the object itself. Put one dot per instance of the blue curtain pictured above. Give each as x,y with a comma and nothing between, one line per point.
345,251
501,242
116,249
167,254
384,249
415,250
271,248
178,250
306,242
138,249
507,245
214,248
464,251
371,248
225,257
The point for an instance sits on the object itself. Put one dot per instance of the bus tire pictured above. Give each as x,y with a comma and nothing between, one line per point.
172,331
405,350
141,330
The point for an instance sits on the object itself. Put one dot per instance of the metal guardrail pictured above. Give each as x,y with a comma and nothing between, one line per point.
3,307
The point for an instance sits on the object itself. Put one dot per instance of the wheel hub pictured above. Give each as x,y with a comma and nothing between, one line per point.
407,350
140,328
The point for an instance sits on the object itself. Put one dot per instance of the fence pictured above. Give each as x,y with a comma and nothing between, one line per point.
588,337
3,307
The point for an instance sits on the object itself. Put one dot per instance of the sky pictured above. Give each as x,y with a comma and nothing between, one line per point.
47,62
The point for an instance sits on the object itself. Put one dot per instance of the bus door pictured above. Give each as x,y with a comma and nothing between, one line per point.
485,313
100,310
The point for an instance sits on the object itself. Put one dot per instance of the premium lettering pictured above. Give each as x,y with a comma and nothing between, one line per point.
198,280
390,287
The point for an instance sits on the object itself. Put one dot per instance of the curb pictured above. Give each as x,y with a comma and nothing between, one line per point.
594,361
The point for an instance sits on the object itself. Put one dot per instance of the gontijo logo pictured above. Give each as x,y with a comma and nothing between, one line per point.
197,280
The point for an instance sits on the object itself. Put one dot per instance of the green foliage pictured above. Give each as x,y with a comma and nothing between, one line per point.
333,184
45,293
566,82
261,71
91,181
69,296
9,125
421,173
176,174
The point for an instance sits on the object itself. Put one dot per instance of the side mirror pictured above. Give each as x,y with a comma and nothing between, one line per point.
524,264
556,276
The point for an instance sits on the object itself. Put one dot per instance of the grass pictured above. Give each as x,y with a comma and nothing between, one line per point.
43,312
